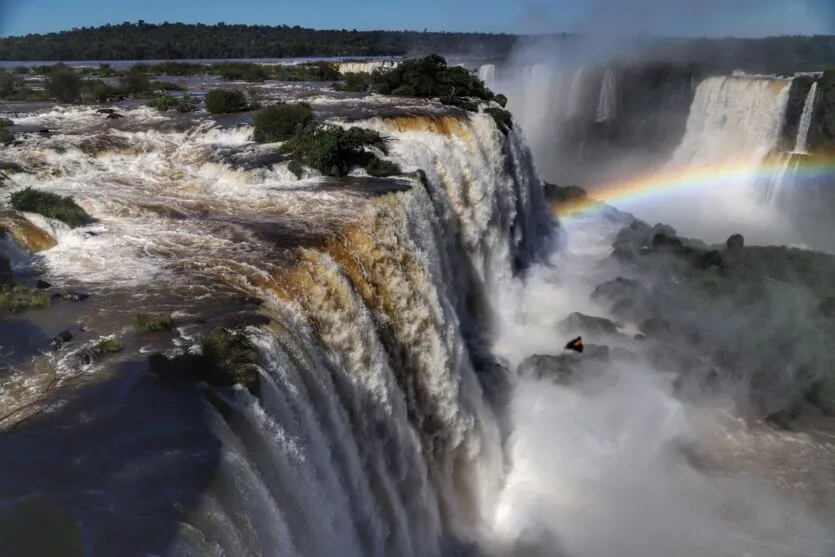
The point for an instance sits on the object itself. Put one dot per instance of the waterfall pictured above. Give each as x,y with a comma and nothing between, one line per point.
607,103
487,74
733,119
801,143
375,432
366,67
379,369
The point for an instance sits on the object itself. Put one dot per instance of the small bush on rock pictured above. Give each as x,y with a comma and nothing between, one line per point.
333,150
429,77
145,323
49,205
279,122
222,101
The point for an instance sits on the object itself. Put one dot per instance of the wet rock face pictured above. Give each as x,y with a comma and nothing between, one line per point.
579,324
755,320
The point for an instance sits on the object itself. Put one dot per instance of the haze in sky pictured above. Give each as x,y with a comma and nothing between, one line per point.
664,17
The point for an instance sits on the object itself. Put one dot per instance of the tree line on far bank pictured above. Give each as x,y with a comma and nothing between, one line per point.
179,41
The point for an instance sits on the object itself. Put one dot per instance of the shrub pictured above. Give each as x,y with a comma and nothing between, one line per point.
354,82
163,102
8,85
49,205
501,99
64,85
16,298
502,117
179,69
381,168
5,123
333,150
231,354
240,71
166,86
96,91
145,323
429,77
228,357
280,121
308,71
108,346
222,101
136,81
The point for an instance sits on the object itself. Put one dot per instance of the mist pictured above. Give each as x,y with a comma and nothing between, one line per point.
622,463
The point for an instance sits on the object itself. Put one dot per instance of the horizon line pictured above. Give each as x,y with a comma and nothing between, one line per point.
143,22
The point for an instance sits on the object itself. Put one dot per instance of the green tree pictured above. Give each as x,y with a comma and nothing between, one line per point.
223,101
65,85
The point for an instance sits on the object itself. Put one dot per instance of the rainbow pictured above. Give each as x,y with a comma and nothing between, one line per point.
807,169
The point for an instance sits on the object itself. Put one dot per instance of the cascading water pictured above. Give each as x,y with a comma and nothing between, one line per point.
733,120
802,141
607,103
373,434
725,160
379,427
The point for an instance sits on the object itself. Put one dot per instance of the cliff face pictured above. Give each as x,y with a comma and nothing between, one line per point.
822,132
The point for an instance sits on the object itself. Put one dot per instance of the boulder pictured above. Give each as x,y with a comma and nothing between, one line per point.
623,297
60,339
735,242
654,327
560,369
578,323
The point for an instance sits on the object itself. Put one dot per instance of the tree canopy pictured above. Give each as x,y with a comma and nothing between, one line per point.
180,41
170,41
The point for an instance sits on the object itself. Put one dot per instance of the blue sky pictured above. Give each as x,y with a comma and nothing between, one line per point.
669,17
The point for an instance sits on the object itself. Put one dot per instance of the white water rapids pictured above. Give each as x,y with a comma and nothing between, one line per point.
379,430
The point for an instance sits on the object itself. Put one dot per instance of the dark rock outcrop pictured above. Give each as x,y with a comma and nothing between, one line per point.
586,324
735,242
60,339
228,358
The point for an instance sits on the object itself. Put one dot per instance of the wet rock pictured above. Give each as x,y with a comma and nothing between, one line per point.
587,324
114,116
71,296
60,339
623,354
654,327
561,369
228,358
597,352
106,111
245,320
622,296
663,242
42,285
827,308
735,242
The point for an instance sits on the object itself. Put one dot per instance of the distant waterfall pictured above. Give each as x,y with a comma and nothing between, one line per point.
607,104
733,119
802,142
487,74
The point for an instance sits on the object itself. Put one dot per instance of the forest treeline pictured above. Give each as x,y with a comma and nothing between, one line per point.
178,41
